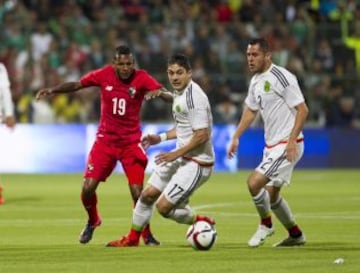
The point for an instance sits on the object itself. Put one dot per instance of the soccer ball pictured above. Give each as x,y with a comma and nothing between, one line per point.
201,235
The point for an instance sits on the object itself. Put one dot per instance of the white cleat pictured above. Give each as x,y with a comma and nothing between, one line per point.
291,241
260,235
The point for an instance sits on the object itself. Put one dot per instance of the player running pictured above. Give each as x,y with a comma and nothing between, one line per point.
180,172
122,91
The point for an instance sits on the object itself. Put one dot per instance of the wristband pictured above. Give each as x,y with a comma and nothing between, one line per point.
163,137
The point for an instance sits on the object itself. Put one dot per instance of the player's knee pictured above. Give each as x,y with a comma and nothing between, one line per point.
256,182
89,187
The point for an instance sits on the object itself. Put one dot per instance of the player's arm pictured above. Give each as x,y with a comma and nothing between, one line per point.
199,137
247,118
153,139
8,106
162,93
300,118
67,87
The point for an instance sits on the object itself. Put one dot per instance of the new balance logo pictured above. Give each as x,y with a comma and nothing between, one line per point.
109,88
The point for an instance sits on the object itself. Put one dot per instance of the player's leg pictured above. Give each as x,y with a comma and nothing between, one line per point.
267,170
256,184
282,211
142,213
145,205
280,206
99,166
173,202
134,162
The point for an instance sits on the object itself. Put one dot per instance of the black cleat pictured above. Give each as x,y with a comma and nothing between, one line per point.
150,240
87,233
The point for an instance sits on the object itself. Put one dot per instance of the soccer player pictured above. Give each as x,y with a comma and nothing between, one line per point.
183,170
275,93
123,89
6,107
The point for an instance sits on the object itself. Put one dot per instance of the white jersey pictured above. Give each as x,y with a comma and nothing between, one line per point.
6,104
191,111
275,93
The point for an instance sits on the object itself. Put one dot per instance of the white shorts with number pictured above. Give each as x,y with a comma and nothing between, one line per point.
276,167
178,180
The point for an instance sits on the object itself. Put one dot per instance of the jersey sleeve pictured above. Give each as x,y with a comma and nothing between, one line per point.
91,79
292,93
199,113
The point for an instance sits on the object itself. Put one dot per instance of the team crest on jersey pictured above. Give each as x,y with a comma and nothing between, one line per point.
177,108
266,86
90,167
132,92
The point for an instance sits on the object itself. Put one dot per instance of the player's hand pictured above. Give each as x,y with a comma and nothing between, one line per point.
291,152
152,94
43,92
148,140
232,148
10,122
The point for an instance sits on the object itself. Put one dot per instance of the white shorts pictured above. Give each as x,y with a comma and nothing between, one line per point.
177,180
276,167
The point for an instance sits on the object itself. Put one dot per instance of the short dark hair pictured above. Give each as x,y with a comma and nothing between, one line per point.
122,50
262,42
181,60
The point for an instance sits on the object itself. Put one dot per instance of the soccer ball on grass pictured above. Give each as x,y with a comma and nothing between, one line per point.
201,235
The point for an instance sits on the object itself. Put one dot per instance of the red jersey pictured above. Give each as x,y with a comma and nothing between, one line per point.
121,102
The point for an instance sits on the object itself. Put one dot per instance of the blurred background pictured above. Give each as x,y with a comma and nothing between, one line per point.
44,43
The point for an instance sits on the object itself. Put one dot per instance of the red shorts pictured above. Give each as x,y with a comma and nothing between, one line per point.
103,158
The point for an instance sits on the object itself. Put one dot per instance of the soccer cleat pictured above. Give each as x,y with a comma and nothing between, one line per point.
260,235
87,233
291,241
150,240
210,220
123,242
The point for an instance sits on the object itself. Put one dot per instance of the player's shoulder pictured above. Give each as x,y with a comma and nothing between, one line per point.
194,90
279,71
141,73
105,70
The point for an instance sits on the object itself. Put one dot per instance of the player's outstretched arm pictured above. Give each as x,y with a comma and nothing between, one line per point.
162,93
153,139
67,87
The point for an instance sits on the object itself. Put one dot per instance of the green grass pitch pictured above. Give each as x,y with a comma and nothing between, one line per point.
42,217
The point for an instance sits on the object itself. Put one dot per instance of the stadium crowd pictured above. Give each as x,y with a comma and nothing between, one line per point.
46,42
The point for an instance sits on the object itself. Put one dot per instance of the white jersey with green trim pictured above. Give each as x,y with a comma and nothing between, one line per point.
275,93
191,111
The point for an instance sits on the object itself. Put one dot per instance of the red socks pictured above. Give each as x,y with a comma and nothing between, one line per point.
266,222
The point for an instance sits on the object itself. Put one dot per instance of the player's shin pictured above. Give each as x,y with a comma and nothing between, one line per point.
141,217
90,205
262,204
283,212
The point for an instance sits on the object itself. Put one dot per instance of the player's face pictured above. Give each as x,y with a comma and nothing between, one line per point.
179,78
258,60
124,65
